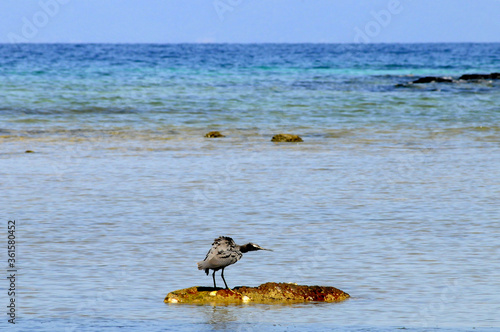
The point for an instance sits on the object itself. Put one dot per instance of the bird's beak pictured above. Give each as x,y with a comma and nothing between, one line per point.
263,248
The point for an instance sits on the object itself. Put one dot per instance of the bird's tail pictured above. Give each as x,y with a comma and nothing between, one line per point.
203,266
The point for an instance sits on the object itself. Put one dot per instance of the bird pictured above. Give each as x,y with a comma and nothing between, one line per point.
223,253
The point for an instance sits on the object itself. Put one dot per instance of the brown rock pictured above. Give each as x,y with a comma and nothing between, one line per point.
214,134
270,293
286,138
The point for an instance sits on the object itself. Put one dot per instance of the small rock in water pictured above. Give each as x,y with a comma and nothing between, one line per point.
214,134
29,151
286,138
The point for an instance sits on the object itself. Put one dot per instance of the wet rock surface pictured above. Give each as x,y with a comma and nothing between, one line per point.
270,293
286,138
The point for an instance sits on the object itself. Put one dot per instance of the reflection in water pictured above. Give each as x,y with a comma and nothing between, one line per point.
220,317
247,317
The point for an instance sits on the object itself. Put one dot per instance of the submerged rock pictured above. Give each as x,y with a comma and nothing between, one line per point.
214,134
491,76
431,79
466,77
270,293
286,138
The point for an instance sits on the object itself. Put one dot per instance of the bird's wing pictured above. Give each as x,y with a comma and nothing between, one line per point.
216,246
212,250
222,258
209,253
220,243
222,254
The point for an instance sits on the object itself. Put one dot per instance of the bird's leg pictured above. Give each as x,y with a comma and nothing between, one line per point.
222,275
213,276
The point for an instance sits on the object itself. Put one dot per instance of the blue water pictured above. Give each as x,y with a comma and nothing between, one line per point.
392,197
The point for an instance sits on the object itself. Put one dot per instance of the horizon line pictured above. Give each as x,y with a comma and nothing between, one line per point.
241,43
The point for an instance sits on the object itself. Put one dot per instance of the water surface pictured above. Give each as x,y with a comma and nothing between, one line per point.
393,196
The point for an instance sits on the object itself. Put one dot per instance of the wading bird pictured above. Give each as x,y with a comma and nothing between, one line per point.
225,252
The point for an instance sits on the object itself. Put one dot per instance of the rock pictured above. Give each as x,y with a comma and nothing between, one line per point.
214,134
474,76
466,77
492,76
286,138
270,293
29,151
431,79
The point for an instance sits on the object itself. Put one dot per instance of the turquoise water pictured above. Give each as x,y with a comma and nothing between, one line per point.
393,196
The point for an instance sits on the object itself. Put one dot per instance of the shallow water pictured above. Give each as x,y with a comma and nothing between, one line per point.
393,196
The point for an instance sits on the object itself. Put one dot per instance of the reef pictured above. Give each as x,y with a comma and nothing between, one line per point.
268,293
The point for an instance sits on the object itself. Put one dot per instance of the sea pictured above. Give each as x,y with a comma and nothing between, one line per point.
393,196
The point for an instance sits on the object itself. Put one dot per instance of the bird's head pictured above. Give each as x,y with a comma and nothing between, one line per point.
252,247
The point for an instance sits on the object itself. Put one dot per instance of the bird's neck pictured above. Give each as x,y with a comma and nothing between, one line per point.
246,248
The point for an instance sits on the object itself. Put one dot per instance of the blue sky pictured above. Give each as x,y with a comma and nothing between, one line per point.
247,21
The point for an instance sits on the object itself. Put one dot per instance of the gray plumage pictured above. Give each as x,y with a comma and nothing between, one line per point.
225,252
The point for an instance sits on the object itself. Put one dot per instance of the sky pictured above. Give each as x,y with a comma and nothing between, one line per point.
249,21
